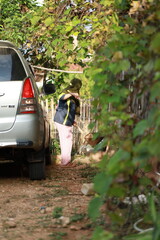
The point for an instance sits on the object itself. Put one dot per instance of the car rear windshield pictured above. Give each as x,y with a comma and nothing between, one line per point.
11,67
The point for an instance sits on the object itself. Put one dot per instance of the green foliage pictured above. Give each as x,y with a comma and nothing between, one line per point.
99,233
102,183
143,236
57,212
55,147
140,128
77,217
126,105
13,21
93,209
58,235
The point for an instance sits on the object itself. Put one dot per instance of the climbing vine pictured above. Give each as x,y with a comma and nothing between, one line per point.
126,75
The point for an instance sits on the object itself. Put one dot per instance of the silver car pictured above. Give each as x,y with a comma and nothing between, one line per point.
24,128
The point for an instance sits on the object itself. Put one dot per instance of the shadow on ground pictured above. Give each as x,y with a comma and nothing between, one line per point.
13,170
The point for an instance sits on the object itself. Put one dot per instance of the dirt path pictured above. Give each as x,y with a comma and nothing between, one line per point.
31,209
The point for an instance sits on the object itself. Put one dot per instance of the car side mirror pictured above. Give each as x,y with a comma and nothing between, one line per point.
49,88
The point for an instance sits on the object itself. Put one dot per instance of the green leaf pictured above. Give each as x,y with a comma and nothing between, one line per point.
55,42
62,62
149,66
59,55
114,68
149,30
152,208
156,231
114,161
48,21
155,44
101,145
102,183
35,19
155,91
75,34
140,128
49,51
157,64
75,22
106,2
142,236
93,208
117,67
117,191
100,234
125,65
68,28
113,99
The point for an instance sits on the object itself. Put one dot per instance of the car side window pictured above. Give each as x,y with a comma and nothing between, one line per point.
11,67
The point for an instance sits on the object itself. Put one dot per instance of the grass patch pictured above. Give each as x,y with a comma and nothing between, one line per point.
60,192
51,186
57,212
89,173
78,217
58,235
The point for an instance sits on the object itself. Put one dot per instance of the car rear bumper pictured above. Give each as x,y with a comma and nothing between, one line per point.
27,132
17,144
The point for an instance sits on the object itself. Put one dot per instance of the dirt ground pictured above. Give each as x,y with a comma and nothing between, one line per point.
54,208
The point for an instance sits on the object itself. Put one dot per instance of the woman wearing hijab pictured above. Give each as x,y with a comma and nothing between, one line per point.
68,107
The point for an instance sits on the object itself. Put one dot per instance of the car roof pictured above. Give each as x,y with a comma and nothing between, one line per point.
5,43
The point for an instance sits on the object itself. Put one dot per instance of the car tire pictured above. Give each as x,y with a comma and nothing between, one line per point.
48,156
37,167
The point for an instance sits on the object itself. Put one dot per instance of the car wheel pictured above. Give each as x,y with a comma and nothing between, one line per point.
37,166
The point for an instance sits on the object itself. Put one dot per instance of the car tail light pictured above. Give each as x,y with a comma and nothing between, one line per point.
28,103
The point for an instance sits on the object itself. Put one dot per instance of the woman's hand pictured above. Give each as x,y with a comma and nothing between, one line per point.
75,124
76,95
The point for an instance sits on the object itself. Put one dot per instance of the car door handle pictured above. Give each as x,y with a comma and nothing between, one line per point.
2,94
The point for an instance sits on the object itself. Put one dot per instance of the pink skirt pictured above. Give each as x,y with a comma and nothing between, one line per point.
66,142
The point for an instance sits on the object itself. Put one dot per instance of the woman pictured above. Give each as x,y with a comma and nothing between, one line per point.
68,107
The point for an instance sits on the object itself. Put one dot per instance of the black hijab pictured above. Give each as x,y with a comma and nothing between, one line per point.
74,86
